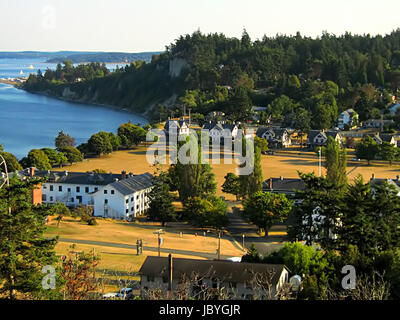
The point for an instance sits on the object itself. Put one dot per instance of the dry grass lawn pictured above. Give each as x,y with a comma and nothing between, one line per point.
284,163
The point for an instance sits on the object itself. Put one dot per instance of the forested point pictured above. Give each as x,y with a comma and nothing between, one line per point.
293,76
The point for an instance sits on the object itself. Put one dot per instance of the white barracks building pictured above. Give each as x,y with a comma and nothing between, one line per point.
119,196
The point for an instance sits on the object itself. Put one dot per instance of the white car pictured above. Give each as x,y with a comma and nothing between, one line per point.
355,159
123,294
235,259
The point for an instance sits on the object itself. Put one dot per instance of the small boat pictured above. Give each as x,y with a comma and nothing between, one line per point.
30,67
21,72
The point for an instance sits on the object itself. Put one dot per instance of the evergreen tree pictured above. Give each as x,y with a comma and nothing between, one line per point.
161,207
64,140
23,248
232,185
336,163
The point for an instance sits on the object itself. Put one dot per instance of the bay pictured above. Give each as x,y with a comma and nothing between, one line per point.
30,121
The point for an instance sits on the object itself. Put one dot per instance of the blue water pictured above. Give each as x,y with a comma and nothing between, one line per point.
30,121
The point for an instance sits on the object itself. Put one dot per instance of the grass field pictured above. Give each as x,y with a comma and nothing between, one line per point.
284,163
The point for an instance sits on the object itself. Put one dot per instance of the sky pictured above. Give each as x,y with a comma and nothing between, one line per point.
150,25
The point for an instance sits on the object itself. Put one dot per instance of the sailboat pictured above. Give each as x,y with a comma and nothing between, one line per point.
21,72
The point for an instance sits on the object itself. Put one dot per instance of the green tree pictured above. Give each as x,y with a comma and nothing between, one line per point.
131,134
161,207
232,185
72,154
36,158
11,161
252,182
64,140
265,208
23,248
100,143
55,158
193,179
205,212
367,149
388,152
60,210
336,163
316,218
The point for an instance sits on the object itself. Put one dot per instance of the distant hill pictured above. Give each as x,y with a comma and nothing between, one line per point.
80,56
104,57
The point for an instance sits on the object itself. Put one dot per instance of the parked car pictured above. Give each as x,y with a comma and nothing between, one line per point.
355,159
124,293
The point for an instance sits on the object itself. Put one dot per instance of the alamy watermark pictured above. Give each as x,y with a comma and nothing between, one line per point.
215,148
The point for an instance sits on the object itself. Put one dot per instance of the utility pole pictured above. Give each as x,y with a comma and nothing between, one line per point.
243,242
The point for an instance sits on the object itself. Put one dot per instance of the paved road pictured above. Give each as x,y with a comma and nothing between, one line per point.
209,256
265,245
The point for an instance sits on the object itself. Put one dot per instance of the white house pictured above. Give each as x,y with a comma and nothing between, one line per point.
208,276
276,137
348,118
176,127
125,198
317,138
121,196
218,131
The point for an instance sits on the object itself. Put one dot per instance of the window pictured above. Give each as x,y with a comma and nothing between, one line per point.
105,191
51,198
69,189
72,199
112,191
132,199
44,186
78,189
132,208
96,189
127,200
137,197
60,188
105,201
87,189
51,188
127,210
137,207
44,197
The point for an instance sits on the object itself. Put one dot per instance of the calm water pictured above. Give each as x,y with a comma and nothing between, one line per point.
30,121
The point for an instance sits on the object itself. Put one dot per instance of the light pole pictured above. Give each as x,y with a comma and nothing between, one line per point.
243,242
159,240
319,161
219,245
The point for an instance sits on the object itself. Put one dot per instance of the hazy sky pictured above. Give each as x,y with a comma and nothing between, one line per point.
149,25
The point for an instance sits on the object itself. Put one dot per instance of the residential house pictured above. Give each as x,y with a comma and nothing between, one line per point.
348,118
377,123
276,137
287,186
220,131
318,138
176,128
120,196
201,276
379,138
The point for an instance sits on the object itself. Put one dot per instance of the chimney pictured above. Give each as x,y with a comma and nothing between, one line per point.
123,173
282,178
65,172
373,176
270,183
131,174
31,171
170,272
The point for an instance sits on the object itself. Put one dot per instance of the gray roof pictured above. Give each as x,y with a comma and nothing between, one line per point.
86,178
178,123
218,126
218,269
326,133
133,184
277,132
284,184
